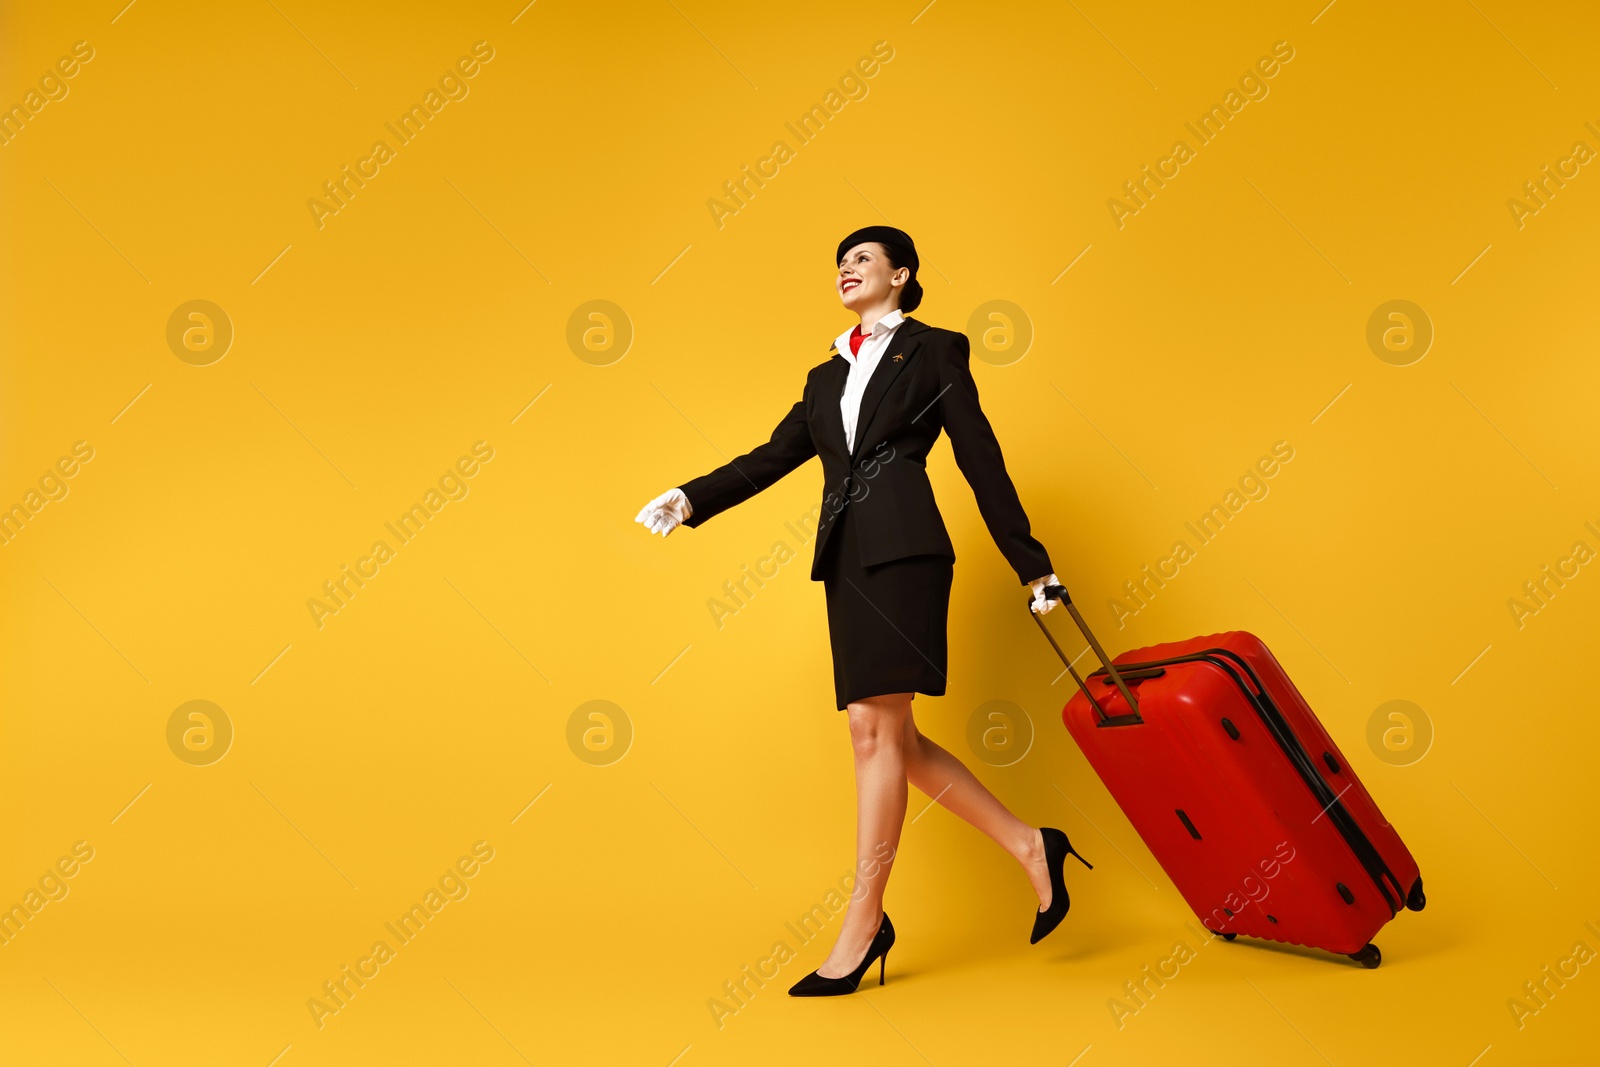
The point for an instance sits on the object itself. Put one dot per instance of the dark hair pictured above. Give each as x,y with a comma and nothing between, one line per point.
911,292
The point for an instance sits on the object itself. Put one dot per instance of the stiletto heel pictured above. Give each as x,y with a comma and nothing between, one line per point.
1056,850
815,985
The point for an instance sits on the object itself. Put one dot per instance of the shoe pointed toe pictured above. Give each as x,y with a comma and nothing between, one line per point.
1046,921
812,985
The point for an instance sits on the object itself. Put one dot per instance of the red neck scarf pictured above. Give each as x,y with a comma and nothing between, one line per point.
856,337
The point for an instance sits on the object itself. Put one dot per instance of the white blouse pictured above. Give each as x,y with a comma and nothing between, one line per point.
861,368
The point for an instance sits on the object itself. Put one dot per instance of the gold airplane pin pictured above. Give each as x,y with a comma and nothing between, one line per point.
897,357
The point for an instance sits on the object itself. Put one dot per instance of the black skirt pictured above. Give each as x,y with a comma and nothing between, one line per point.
886,622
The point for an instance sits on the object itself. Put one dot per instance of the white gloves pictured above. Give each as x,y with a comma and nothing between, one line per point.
664,514
1041,604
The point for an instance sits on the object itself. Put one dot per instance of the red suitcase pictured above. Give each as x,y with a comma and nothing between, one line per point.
1239,792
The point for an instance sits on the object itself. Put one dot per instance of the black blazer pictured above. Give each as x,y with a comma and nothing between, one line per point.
921,385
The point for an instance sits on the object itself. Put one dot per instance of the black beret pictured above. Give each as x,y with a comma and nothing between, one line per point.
887,235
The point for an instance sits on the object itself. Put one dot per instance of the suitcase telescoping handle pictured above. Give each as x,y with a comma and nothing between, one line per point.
1057,592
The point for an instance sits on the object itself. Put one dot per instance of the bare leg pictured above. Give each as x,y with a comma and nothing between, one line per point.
945,778
877,733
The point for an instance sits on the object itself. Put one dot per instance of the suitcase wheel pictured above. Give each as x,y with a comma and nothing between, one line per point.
1368,957
1229,937
1415,900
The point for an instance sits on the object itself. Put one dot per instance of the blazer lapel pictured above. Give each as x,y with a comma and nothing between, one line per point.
830,419
902,346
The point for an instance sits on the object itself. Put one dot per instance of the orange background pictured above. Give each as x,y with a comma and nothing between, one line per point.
435,709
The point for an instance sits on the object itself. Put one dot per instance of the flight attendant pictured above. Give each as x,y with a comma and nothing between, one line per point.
871,413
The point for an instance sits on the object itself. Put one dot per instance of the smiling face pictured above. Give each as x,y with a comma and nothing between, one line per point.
867,280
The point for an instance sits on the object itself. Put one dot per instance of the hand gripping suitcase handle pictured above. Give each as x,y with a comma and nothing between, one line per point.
1057,592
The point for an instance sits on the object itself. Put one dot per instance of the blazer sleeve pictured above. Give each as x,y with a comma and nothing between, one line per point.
740,479
978,455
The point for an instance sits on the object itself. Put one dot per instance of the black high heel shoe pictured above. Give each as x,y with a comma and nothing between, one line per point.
815,985
1056,850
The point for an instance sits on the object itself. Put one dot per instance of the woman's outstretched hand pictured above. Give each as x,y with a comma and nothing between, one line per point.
665,513
1042,603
